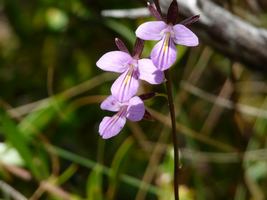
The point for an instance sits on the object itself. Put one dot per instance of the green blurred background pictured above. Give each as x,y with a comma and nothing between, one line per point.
50,90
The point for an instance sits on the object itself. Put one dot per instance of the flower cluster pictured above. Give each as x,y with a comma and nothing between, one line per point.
133,68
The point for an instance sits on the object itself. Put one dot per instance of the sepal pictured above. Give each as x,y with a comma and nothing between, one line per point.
172,14
148,116
121,46
190,20
138,48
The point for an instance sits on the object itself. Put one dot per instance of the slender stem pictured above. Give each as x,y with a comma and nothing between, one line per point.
174,136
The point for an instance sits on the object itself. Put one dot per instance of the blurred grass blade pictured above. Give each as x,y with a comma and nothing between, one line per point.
19,142
36,121
67,174
10,192
85,162
121,29
120,157
94,184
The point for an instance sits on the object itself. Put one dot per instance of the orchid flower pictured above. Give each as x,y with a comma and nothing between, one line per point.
133,109
132,68
168,33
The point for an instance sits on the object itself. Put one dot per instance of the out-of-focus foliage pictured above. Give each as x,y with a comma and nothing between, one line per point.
50,90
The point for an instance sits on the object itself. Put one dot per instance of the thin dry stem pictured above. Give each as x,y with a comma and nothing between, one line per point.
174,136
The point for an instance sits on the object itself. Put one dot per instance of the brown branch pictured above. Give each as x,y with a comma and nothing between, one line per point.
225,32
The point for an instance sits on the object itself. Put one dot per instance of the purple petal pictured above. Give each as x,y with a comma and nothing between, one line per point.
111,126
151,30
111,104
136,109
114,61
163,55
184,36
125,86
149,72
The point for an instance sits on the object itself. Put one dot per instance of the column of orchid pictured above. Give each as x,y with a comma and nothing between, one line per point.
133,68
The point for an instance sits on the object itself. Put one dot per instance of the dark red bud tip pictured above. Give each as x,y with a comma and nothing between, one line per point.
138,48
121,46
147,95
190,20
148,116
172,14
153,10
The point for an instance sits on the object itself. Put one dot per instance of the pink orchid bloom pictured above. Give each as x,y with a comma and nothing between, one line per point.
133,110
132,69
164,52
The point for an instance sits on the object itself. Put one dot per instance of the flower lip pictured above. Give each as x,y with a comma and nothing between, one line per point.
111,126
163,54
126,85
